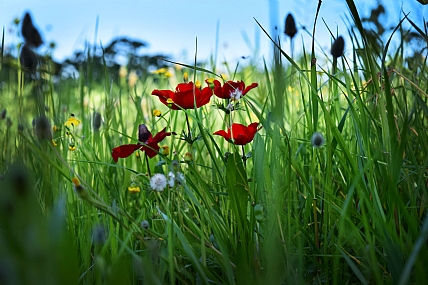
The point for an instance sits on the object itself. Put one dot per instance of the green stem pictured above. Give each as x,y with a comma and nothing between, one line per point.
147,162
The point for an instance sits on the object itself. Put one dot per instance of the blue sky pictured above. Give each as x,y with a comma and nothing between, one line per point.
171,26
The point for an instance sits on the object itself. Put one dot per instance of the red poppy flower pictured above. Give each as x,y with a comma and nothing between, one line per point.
184,96
232,90
149,144
239,134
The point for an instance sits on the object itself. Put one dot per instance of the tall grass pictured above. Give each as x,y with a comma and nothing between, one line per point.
277,211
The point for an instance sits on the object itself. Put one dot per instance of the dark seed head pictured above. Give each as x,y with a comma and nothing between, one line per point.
30,33
143,133
42,128
28,59
290,26
317,140
96,123
337,47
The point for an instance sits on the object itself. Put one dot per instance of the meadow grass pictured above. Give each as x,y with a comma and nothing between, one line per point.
283,209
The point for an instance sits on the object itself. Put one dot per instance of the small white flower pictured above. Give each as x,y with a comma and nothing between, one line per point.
230,107
158,182
236,95
172,178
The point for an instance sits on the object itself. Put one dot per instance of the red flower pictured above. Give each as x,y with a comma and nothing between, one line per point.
184,96
232,90
239,134
149,144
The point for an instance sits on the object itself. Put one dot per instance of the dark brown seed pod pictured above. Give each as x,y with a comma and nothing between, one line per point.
96,123
28,59
30,33
290,26
338,47
42,128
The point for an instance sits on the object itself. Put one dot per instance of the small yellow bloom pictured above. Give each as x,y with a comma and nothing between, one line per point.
54,142
123,72
55,129
198,84
157,113
168,74
160,71
210,80
72,121
165,150
72,147
185,77
188,157
223,76
137,154
134,189
132,78
169,101
75,181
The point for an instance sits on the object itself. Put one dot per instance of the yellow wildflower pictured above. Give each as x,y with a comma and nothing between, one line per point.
137,154
72,147
210,80
132,78
188,157
160,71
168,74
157,113
223,76
134,189
165,150
54,142
72,121
55,129
169,101
198,84
123,72
185,77
75,181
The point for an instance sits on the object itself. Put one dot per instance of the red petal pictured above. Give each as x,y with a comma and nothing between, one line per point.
248,88
124,151
161,136
223,134
151,149
164,95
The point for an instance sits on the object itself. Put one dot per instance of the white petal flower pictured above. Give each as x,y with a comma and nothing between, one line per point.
158,182
171,179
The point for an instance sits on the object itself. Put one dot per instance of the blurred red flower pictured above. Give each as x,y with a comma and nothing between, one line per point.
184,96
146,143
239,134
232,90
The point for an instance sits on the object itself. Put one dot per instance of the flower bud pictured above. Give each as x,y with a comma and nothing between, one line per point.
30,33
290,26
143,133
337,47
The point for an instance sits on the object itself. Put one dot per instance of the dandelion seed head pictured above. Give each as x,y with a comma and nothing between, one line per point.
158,182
